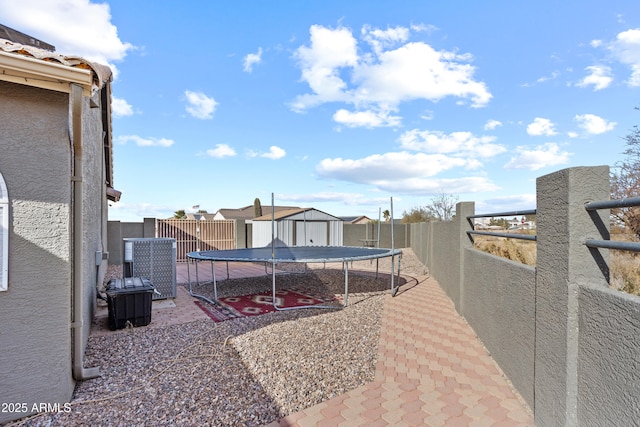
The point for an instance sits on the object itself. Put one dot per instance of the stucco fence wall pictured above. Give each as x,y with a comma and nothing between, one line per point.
567,342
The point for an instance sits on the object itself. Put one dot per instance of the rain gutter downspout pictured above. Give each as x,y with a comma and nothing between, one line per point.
77,321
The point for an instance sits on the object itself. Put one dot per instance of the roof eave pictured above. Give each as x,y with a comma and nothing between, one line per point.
43,74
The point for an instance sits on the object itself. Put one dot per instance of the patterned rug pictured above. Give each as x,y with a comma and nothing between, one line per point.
254,305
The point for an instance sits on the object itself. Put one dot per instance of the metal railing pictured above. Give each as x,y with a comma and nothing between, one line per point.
591,207
498,234
613,204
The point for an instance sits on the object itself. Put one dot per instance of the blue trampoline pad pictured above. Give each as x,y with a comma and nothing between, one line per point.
295,254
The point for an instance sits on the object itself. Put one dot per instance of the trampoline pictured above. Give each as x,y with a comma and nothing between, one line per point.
293,254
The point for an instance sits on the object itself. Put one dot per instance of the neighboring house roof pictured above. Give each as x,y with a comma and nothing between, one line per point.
246,212
206,216
362,219
26,64
290,212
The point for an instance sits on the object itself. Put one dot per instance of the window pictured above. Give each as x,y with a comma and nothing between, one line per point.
4,236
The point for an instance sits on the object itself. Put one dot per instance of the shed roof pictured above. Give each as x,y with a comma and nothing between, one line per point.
247,211
291,212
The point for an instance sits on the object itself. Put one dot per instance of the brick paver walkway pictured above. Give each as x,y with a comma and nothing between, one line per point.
431,371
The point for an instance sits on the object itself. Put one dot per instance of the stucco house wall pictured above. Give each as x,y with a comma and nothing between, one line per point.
42,341
35,360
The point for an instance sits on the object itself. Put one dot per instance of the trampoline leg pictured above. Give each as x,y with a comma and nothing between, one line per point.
189,274
202,297
215,285
346,283
393,288
273,286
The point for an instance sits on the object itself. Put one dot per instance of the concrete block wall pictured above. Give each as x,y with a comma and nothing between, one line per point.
567,342
354,234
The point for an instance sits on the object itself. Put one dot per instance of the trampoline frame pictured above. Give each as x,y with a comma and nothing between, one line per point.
268,256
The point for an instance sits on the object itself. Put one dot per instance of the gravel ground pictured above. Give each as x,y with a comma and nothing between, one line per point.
242,372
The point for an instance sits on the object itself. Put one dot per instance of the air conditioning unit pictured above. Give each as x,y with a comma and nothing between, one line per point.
153,258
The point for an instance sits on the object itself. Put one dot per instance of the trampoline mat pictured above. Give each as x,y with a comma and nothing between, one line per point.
295,254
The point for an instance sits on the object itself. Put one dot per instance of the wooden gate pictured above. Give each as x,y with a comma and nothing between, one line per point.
197,235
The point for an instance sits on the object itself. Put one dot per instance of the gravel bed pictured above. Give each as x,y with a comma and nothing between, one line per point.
241,372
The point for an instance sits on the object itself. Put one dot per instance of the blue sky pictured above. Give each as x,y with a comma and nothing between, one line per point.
340,105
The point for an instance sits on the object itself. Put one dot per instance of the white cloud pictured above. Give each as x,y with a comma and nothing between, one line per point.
626,49
404,173
492,124
330,51
427,115
539,157
120,107
593,124
388,166
369,119
554,75
221,151
274,153
423,186
518,202
417,71
429,29
461,144
251,59
74,27
349,199
381,39
541,126
200,105
600,77
145,142
394,71
407,172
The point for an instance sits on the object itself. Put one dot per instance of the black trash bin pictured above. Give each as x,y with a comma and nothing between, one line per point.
129,300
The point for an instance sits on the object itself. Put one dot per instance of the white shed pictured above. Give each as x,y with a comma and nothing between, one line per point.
298,227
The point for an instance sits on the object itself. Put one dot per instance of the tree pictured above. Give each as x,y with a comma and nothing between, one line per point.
257,208
417,214
181,214
625,182
442,207
387,215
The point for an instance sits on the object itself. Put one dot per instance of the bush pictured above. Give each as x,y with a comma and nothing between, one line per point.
523,251
623,265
